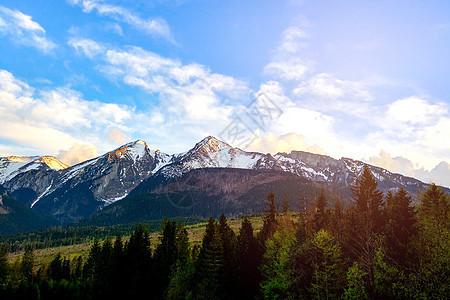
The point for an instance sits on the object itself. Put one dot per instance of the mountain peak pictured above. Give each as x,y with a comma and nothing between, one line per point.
135,150
210,144
53,162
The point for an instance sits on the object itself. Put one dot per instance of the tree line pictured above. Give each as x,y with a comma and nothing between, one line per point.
382,247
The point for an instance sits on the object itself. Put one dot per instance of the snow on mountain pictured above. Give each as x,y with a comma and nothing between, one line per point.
212,153
11,166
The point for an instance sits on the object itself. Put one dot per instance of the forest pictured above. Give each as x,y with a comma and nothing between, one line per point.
380,247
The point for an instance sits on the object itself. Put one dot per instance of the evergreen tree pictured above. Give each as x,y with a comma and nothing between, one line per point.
180,286
369,200
248,258
212,282
327,266
355,284
118,268
78,269
320,217
166,255
229,246
277,282
400,228
55,270
27,264
434,206
182,244
138,259
431,278
90,266
4,268
270,221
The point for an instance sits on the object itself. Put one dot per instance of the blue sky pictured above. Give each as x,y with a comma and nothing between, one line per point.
366,80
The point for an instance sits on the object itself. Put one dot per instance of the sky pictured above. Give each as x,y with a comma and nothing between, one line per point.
359,79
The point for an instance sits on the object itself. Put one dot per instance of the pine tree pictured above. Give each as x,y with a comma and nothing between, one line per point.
118,268
166,255
212,282
138,259
433,262
400,228
229,246
355,284
182,244
249,258
434,206
277,279
55,270
320,217
270,221
327,266
369,200
4,269
27,264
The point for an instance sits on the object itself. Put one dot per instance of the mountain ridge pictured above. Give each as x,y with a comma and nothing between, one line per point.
73,193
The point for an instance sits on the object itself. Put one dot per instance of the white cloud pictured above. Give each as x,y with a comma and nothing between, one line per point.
77,154
50,120
190,91
287,64
287,70
87,47
117,137
328,87
192,102
440,174
23,30
272,143
414,110
156,26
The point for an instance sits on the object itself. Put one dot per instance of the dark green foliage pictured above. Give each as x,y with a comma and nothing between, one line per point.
166,255
400,227
4,268
270,221
407,258
81,233
369,200
249,255
59,268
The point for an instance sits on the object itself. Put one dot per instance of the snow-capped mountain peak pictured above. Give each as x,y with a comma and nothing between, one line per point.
53,162
11,166
208,145
134,150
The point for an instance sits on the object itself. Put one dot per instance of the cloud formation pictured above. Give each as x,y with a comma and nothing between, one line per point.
50,120
155,27
77,154
117,137
287,64
20,28
271,143
189,96
440,174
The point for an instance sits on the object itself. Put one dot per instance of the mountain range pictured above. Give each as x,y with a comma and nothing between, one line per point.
134,181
